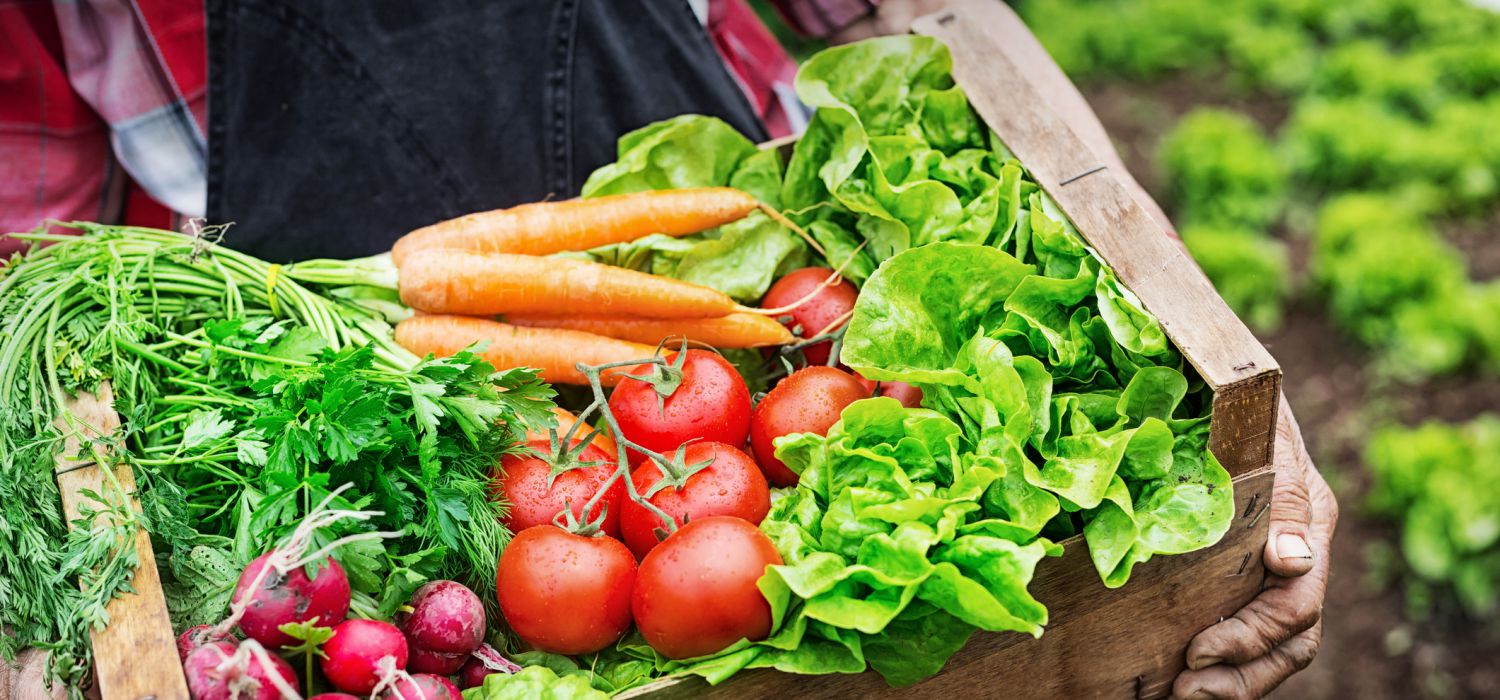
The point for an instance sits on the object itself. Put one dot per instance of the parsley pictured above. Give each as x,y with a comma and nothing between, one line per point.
247,392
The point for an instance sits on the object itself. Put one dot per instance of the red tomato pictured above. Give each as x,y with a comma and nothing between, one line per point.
908,395
815,315
565,593
809,401
731,485
696,593
712,403
524,483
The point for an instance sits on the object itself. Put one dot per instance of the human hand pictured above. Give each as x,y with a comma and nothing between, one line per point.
888,17
1278,633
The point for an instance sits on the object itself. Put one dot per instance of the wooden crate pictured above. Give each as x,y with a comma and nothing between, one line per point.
1129,642
1119,643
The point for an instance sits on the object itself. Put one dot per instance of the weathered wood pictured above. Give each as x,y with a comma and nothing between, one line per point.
1122,643
136,655
990,61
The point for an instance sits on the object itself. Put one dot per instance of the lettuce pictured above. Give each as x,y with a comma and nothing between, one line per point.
991,342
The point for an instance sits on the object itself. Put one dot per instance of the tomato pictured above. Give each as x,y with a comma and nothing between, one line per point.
731,485
712,403
696,594
565,421
809,401
565,593
816,314
908,395
523,482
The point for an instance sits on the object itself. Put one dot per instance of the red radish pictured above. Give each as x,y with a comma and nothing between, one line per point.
422,686
731,484
536,497
809,401
194,637
425,661
474,672
226,671
353,656
485,662
908,395
445,617
333,696
819,314
291,598
711,403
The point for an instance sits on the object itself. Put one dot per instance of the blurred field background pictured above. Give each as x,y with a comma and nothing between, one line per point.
1334,166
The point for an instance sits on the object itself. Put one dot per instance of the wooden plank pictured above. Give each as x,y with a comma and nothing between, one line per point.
1094,646
135,656
994,55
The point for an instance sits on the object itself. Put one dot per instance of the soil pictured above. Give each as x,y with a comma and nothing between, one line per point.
1373,647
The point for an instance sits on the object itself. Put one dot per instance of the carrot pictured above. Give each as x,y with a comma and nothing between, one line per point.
738,330
476,284
579,224
565,421
554,351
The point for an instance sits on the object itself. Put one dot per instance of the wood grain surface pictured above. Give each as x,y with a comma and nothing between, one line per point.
136,655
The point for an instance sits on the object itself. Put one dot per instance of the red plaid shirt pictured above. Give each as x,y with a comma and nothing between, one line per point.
103,102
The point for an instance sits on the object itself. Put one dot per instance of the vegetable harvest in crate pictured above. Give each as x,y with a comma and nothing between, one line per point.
729,410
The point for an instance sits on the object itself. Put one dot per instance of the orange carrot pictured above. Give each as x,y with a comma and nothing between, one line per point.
579,224
476,284
565,421
738,330
554,351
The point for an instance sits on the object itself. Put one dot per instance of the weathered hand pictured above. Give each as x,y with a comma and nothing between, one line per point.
1277,633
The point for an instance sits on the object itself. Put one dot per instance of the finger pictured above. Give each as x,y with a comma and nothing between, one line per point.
1289,549
1286,608
1254,679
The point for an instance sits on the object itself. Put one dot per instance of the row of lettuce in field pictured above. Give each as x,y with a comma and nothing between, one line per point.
259,398
1389,107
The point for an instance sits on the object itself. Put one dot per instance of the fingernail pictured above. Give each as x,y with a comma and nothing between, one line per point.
1292,547
1203,662
1200,694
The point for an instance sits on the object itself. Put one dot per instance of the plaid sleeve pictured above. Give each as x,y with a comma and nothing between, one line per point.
121,58
54,151
820,18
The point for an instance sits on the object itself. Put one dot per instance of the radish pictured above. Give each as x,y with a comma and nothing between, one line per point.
275,589
333,696
445,624
484,662
194,637
226,671
293,597
362,654
424,661
422,686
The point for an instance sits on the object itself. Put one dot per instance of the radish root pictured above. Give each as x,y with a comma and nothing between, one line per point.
289,555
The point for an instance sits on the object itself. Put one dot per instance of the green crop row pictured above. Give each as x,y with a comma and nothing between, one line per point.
1392,107
1441,482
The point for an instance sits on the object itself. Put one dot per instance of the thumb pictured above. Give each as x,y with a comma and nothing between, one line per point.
1288,552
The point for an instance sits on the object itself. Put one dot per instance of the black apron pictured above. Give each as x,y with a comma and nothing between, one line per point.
335,126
